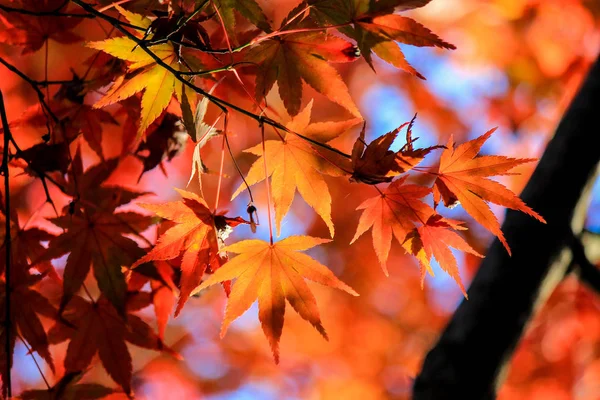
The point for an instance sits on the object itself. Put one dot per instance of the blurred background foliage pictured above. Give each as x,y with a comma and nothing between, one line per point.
517,65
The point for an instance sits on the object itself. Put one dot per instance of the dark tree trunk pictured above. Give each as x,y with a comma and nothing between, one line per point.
467,361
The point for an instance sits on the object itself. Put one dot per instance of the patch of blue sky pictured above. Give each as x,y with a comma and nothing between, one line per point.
60,263
593,216
251,391
458,85
297,220
391,110
28,372
248,321
464,88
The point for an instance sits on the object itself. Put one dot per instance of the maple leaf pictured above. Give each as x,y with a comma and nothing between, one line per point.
26,306
88,188
98,328
395,212
194,237
157,82
68,388
435,239
43,157
163,299
32,33
165,139
463,178
291,58
97,239
200,132
26,249
180,27
74,118
93,232
159,275
273,273
376,163
294,163
376,28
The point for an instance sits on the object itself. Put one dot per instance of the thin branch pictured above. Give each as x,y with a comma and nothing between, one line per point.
188,18
7,244
34,85
45,83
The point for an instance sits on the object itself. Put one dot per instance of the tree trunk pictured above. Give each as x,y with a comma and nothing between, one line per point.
467,361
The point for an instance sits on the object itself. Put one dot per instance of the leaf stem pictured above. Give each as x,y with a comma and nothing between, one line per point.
292,31
188,18
264,155
88,293
237,167
222,163
34,85
224,30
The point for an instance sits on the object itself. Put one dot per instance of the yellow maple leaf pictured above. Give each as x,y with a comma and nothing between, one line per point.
157,82
273,273
294,163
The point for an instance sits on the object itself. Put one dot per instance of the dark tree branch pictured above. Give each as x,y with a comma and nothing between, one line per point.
468,359
7,245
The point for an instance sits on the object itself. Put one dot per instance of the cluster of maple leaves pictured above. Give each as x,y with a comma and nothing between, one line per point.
182,49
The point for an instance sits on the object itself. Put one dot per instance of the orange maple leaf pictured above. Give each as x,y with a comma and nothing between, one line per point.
194,237
376,163
273,273
394,212
435,239
462,177
294,163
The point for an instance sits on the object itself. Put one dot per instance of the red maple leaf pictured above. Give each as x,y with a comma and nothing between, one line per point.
97,328
25,307
32,33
